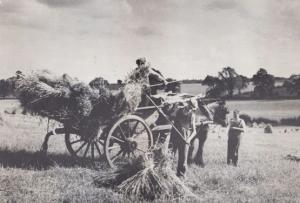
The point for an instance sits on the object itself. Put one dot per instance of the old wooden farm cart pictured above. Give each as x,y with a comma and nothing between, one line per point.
126,138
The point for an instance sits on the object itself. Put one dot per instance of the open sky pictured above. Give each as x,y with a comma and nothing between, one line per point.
182,38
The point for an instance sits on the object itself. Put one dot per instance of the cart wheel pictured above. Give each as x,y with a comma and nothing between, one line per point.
129,137
88,148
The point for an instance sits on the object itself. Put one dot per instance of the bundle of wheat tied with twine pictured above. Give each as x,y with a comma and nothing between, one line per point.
148,177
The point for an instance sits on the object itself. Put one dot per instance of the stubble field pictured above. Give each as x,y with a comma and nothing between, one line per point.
263,174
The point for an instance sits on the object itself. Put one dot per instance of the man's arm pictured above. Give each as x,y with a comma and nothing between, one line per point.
206,111
242,126
227,110
157,75
194,133
237,128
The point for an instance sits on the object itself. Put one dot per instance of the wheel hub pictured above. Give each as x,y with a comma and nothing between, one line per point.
129,146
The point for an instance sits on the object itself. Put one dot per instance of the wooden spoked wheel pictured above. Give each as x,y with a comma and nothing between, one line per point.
128,138
91,148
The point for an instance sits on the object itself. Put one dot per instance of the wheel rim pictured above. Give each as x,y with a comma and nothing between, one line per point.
89,148
130,137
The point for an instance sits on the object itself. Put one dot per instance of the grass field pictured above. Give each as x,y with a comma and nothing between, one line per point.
271,109
276,109
264,175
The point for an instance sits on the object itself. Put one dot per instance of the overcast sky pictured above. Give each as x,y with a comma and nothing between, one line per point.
182,38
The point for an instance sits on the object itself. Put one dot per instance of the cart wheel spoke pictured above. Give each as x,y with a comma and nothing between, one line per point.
114,147
135,126
127,128
92,151
123,134
80,147
76,141
101,142
116,156
141,150
117,139
136,134
98,149
87,149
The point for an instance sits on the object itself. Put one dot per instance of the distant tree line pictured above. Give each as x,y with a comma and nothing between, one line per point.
229,81
264,83
293,84
224,85
7,87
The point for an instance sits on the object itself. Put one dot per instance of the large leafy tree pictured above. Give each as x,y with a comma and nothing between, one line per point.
241,82
216,87
8,86
227,81
228,75
4,88
264,83
98,83
293,84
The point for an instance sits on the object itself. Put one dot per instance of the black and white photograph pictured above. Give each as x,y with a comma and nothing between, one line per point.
149,101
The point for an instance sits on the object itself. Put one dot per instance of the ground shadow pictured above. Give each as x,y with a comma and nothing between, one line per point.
39,161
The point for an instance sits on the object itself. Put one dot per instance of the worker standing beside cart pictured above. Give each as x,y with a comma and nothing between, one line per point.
203,118
236,128
182,133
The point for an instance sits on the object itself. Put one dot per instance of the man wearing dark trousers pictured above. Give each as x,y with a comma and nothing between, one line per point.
185,124
236,128
197,145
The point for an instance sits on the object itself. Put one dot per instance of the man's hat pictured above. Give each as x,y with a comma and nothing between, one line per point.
141,61
236,111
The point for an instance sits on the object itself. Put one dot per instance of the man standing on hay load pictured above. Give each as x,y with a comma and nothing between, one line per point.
154,77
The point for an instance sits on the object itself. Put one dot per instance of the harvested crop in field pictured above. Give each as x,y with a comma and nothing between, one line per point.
147,178
40,98
114,178
60,98
133,95
72,102
268,129
80,99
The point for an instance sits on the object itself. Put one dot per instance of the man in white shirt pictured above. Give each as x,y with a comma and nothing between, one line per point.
236,128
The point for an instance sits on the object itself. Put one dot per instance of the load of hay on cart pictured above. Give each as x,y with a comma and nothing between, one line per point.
97,124
127,137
